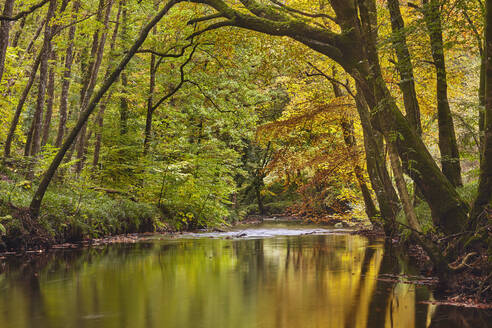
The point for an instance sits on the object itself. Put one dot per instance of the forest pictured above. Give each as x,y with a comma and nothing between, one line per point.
126,116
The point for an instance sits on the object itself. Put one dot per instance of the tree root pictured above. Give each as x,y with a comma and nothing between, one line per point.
463,264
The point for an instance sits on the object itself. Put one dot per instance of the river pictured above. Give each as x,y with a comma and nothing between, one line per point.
274,275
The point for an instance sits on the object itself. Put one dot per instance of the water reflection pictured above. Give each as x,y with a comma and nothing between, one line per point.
294,281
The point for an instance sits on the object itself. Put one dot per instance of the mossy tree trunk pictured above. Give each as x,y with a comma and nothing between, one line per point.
8,8
378,173
479,214
448,146
404,66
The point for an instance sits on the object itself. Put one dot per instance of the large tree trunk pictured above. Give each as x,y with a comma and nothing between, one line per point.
4,33
484,196
449,211
405,69
67,76
405,66
43,186
448,146
388,201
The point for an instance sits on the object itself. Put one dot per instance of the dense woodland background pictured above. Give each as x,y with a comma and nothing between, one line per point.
144,115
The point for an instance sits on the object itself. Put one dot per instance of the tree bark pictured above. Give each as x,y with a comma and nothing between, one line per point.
35,146
150,99
484,197
405,69
43,186
404,66
481,100
20,105
124,78
4,34
389,204
97,52
18,34
67,76
102,109
50,100
150,104
403,190
449,211
448,146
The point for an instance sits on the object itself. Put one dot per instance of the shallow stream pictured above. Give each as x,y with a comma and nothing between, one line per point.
271,275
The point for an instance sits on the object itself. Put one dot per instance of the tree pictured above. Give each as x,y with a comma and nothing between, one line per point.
484,197
354,49
67,76
450,158
84,116
33,144
4,33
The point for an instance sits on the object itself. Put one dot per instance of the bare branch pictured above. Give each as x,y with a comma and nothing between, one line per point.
210,28
25,12
166,54
303,13
210,99
329,78
181,82
204,18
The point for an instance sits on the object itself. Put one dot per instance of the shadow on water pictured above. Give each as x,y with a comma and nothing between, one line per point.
316,280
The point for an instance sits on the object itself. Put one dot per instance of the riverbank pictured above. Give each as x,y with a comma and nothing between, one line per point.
69,214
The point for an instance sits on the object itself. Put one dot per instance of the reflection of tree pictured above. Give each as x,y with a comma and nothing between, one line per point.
457,317
303,281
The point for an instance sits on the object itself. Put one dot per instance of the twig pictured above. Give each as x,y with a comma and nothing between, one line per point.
25,12
329,78
303,13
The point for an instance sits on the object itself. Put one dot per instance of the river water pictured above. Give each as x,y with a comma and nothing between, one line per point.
274,275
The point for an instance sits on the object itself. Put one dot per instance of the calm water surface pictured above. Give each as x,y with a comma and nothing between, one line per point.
275,276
